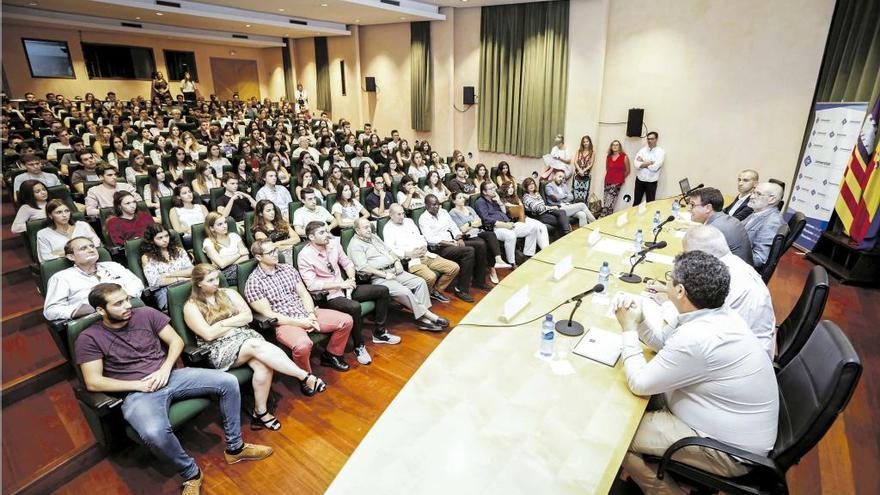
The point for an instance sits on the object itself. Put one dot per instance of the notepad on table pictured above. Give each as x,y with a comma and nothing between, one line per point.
600,345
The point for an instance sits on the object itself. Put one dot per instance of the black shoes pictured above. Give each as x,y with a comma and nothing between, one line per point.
437,296
335,362
464,296
424,323
443,322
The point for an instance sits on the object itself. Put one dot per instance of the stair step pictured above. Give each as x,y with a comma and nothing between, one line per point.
47,432
28,351
16,260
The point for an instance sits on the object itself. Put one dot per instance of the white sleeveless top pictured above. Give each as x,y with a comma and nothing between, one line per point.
190,216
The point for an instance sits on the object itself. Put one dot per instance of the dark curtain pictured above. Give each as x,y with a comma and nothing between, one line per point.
523,76
322,61
421,87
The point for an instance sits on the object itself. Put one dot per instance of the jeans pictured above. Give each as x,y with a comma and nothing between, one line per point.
147,413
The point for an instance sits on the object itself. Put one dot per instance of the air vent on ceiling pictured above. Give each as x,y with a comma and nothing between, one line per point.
301,23
240,36
132,25
391,2
168,4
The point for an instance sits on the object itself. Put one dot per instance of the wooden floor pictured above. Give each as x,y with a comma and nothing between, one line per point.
319,433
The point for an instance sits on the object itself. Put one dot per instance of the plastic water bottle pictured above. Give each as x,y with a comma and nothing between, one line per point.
676,206
637,242
656,221
604,277
548,333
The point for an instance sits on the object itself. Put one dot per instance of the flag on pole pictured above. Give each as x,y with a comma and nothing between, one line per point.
850,207
870,200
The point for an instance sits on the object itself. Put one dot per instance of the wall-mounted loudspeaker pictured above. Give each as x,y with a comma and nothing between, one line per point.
371,84
634,122
468,97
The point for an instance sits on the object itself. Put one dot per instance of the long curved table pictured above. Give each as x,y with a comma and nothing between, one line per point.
484,414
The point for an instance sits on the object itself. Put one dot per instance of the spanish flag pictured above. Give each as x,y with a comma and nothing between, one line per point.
860,189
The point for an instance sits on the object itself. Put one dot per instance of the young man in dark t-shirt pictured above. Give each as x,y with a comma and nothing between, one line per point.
123,354
242,202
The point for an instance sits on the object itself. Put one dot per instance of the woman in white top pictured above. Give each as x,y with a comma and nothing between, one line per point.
51,240
158,187
174,136
350,143
563,160
205,179
272,191
163,148
216,159
137,165
409,195
223,248
274,162
347,209
188,87
435,186
164,261
438,165
145,137
33,196
118,152
185,213
190,145
404,154
307,180
418,169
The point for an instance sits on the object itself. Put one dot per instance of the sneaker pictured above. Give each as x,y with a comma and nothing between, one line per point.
494,278
502,265
250,452
385,338
193,487
437,296
363,357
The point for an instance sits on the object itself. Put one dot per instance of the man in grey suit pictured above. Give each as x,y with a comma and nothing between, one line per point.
764,222
705,205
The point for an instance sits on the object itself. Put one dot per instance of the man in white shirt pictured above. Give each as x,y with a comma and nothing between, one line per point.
67,294
311,212
748,295
34,171
445,239
407,243
278,195
101,196
304,146
711,370
649,160
63,143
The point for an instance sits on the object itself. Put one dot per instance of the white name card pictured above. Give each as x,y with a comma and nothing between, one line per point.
562,268
516,304
622,220
642,208
595,237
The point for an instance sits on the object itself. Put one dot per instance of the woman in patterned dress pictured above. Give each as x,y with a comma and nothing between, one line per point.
219,318
583,168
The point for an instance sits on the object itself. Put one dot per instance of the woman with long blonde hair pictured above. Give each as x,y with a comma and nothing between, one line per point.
219,318
225,249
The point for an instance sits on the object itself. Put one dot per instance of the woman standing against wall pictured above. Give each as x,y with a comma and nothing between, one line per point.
616,171
583,168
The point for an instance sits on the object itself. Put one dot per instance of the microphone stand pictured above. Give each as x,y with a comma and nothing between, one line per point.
570,327
656,234
631,278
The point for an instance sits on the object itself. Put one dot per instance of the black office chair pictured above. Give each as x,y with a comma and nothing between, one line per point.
777,249
796,225
814,388
794,331
782,185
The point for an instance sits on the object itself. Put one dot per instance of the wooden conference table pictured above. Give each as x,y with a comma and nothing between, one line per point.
484,414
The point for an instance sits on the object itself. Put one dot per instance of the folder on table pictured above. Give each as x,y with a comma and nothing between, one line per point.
600,345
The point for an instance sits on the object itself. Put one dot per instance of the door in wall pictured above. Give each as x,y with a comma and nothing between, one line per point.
233,75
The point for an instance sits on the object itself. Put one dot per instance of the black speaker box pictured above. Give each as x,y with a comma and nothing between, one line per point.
634,122
468,97
371,84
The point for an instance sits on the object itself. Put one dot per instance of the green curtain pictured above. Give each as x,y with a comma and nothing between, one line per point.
851,64
421,86
523,77
322,61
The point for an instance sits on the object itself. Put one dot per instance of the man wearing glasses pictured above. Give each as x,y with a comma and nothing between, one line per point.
763,224
378,201
649,160
705,205
277,291
321,264
67,294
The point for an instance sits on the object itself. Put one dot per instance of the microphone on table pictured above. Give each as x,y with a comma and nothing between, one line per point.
570,327
658,229
631,278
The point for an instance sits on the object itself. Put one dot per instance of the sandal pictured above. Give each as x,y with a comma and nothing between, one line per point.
319,386
257,423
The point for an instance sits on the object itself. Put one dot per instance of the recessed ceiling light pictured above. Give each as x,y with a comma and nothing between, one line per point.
280,10
357,20
137,18
323,5
159,13
33,4
402,18
464,0
247,25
